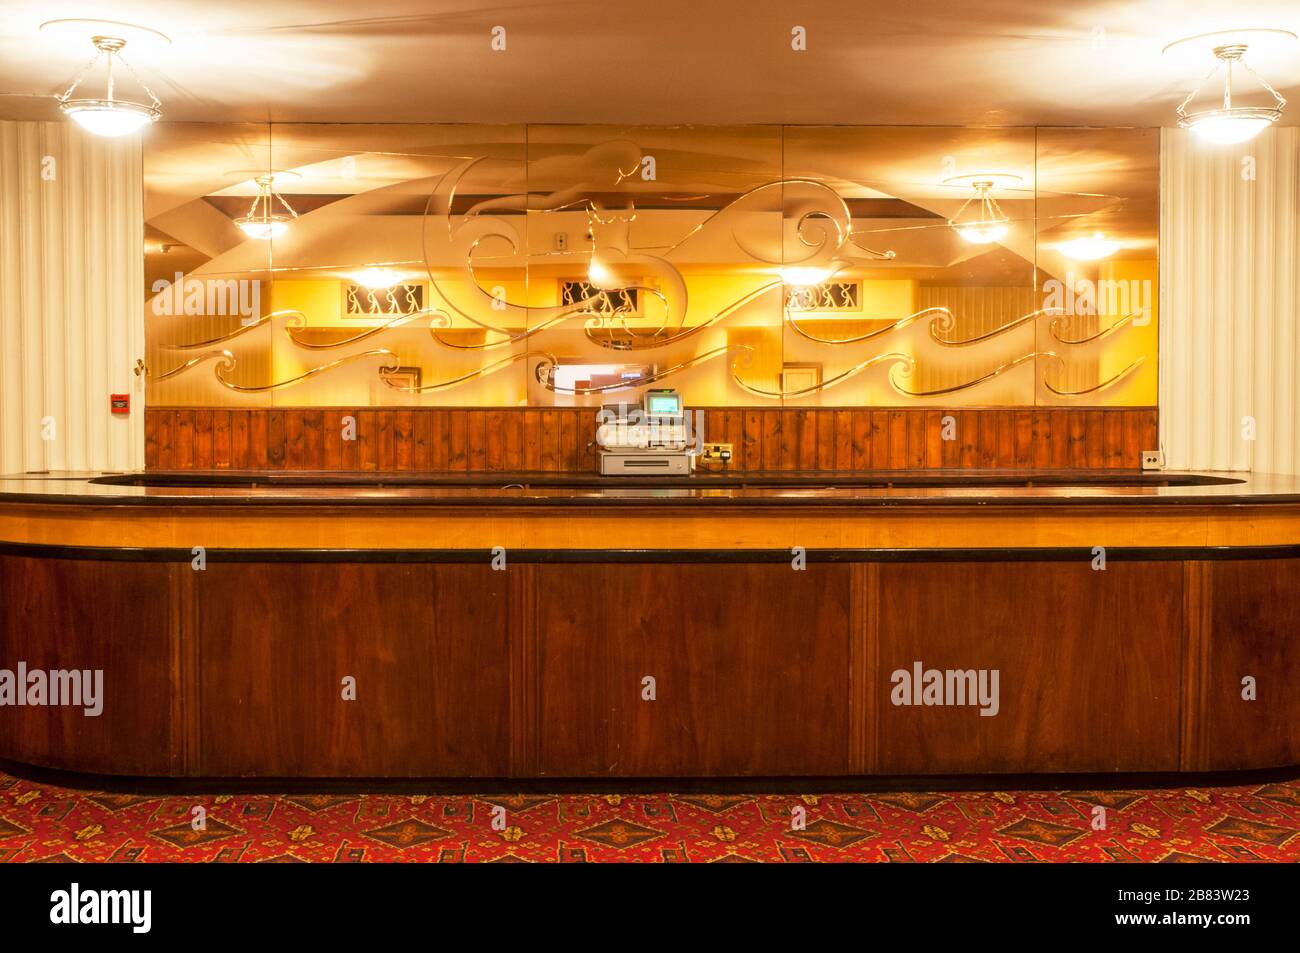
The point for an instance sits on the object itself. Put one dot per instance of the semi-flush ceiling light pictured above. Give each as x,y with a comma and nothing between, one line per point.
600,276
804,277
376,278
262,221
1231,124
110,116
987,223
1089,249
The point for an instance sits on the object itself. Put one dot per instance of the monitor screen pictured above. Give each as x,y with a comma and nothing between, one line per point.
667,404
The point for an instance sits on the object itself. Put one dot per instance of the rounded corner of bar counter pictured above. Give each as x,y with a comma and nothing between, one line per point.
261,626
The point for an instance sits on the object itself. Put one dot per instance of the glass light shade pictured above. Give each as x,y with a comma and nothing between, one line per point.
982,233
1089,249
376,278
1225,127
108,117
264,229
805,277
598,276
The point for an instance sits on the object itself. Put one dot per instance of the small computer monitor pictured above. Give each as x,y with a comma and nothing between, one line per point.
663,403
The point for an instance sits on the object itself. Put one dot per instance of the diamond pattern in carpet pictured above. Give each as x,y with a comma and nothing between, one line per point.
1251,823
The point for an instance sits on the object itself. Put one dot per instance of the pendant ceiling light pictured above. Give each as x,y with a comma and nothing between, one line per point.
985,222
110,116
263,222
1231,123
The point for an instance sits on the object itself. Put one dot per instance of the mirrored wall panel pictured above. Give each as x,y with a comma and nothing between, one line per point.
554,265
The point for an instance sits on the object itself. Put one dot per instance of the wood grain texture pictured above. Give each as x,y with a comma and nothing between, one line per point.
1089,666
760,670
427,646
564,523
560,439
83,615
751,669
1253,622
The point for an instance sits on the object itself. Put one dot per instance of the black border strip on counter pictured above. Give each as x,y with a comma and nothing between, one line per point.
996,554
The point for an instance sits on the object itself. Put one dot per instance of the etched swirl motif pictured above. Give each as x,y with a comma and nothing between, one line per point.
635,298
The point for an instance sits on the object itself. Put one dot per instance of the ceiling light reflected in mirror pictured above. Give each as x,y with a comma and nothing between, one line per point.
1090,248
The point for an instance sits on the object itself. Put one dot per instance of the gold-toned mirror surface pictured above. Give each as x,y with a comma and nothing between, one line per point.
389,265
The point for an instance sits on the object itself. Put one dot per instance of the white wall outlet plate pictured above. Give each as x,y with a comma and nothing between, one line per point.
1153,459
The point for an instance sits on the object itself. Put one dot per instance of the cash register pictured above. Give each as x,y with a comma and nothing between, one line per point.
650,437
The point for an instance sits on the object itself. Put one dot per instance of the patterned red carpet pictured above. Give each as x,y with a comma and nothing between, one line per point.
1256,822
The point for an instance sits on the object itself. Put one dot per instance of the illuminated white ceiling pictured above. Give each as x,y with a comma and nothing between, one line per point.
995,62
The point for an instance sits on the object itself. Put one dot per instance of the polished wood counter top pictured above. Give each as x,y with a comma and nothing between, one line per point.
548,515
931,487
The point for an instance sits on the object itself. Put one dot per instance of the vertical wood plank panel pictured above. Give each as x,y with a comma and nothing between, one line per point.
220,439
559,440
550,442
771,440
457,440
751,448
843,440
477,440
239,440
403,425
293,441
531,440
861,440
203,439
258,440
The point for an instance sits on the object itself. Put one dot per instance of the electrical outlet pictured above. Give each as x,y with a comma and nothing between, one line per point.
1153,459
561,241
721,452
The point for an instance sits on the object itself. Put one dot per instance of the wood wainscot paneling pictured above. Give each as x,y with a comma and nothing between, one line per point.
1088,662
750,666
561,439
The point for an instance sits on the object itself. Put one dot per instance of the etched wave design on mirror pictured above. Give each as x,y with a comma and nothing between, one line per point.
244,328
223,367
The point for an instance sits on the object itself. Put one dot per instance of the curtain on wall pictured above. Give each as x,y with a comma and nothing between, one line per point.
71,298
1230,290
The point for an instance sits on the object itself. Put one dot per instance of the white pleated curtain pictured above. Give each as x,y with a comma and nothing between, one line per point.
71,298
1230,290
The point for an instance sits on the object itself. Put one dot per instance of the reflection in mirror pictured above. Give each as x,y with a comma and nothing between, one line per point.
429,265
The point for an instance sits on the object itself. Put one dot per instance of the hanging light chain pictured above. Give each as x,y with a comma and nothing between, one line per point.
100,53
1226,62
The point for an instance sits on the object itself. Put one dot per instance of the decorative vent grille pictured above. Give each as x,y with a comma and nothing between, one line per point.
622,302
360,301
827,296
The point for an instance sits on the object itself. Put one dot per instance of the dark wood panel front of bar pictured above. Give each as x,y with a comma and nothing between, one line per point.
257,636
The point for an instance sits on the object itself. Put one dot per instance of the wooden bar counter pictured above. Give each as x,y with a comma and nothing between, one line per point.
304,625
